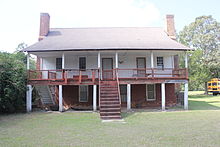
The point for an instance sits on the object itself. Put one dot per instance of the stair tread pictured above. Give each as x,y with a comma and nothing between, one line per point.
115,112
115,117
103,109
110,101
110,107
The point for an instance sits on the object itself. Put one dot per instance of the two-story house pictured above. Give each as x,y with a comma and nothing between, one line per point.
108,68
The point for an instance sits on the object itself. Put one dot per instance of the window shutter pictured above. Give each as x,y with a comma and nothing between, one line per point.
58,63
82,63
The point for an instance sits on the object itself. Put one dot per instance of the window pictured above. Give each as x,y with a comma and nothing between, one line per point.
58,63
82,63
150,92
160,62
214,84
123,92
83,93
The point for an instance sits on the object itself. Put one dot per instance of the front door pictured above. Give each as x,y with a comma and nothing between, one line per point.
107,68
141,67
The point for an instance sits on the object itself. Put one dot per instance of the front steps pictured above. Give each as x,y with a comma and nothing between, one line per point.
46,95
110,107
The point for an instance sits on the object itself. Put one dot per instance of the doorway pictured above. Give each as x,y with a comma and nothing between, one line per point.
141,66
107,68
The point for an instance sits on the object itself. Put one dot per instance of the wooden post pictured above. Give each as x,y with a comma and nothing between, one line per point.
66,73
163,96
60,98
128,96
186,96
93,76
29,98
80,76
94,97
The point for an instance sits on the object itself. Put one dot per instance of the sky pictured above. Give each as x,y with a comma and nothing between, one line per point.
19,19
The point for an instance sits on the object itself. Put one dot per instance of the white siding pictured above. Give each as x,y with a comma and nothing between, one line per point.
127,60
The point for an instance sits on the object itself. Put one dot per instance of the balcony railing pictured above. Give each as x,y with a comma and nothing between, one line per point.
93,75
64,74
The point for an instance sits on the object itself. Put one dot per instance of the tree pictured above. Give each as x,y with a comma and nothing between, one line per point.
204,36
13,79
12,82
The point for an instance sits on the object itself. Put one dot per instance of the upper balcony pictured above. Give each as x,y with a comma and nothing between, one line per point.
134,67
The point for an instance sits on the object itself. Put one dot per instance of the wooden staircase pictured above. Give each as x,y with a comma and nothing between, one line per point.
46,95
110,105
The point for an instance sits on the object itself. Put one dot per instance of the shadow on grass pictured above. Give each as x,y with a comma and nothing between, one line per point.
200,96
127,114
203,105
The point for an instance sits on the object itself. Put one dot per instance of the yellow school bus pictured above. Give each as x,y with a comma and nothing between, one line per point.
214,86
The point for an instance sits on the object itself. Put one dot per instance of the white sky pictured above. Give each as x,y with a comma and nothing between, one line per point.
20,18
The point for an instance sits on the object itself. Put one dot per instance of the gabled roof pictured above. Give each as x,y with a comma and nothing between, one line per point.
132,38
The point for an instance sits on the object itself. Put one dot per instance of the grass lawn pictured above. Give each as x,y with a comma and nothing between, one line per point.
198,127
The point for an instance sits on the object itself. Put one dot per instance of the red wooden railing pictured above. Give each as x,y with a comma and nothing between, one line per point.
144,73
114,74
119,92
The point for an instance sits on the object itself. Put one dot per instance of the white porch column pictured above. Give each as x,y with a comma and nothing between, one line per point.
60,98
29,98
163,96
29,89
63,61
152,59
99,60
28,61
186,60
186,96
116,60
128,96
99,65
94,97
41,63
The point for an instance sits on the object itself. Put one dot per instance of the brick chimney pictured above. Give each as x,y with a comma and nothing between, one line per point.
170,27
44,29
44,25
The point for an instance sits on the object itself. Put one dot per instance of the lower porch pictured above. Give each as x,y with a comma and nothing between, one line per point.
132,96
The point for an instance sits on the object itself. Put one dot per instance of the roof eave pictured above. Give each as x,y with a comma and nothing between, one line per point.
104,49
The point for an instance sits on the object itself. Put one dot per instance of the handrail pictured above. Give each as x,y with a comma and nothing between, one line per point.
119,93
99,76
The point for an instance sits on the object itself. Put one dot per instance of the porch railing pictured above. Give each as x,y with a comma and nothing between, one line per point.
113,74
144,73
64,74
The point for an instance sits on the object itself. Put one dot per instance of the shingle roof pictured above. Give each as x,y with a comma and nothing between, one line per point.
136,38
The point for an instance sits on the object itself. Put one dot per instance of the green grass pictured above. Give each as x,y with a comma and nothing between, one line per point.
198,127
198,101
